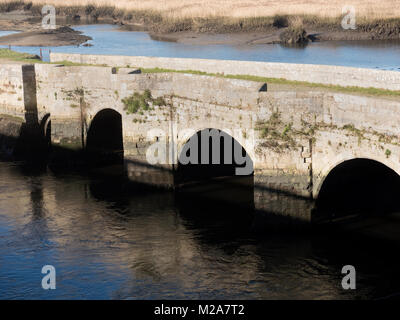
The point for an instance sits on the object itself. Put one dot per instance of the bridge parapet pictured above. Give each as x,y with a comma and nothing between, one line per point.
330,75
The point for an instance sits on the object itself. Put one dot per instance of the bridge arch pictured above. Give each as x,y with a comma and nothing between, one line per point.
358,186
341,158
214,150
104,141
214,164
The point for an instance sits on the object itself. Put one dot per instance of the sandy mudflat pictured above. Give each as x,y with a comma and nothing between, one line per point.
32,34
249,38
226,39
59,37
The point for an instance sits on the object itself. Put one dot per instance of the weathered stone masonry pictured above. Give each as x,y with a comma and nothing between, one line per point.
299,136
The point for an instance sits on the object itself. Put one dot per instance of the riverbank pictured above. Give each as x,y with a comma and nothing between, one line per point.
203,30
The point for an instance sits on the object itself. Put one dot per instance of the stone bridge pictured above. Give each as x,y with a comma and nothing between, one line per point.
295,135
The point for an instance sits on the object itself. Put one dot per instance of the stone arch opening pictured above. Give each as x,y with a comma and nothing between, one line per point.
104,143
358,187
213,166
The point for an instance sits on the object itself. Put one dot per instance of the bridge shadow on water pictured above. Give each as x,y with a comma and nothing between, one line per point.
218,213
353,191
356,189
357,215
226,233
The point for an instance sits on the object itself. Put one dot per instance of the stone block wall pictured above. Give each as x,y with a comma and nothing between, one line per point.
11,89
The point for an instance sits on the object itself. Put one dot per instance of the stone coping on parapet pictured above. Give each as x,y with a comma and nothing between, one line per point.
319,74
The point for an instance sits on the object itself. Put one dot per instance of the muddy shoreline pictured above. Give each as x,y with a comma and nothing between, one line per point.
32,34
253,38
61,36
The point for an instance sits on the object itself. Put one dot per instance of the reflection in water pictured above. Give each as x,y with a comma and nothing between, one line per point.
358,187
104,139
221,173
107,39
111,242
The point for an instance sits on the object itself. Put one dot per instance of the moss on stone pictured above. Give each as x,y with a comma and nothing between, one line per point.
140,102
276,134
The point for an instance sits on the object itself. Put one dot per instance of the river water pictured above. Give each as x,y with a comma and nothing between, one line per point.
107,39
109,243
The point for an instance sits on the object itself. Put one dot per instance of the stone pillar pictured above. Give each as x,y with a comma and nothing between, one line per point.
31,142
140,171
66,141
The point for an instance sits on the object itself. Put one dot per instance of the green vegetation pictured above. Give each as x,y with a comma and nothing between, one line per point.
343,89
75,94
18,56
287,129
31,58
25,57
277,135
139,102
357,132
76,64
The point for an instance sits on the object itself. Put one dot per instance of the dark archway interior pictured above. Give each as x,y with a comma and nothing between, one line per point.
210,180
358,187
104,139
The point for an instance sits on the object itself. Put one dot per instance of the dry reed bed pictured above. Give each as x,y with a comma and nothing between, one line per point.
222,15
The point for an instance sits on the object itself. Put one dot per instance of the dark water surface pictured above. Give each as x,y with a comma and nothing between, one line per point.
110,244
107,39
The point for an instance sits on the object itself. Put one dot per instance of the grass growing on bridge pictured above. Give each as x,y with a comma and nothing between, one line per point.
18,56
350,89
139,102
29,58
12,55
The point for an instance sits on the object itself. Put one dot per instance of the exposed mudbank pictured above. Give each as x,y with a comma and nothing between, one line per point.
58,37
294,36
235,31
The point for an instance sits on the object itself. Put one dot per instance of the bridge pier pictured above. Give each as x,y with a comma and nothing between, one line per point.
284,197
140,172
66,142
